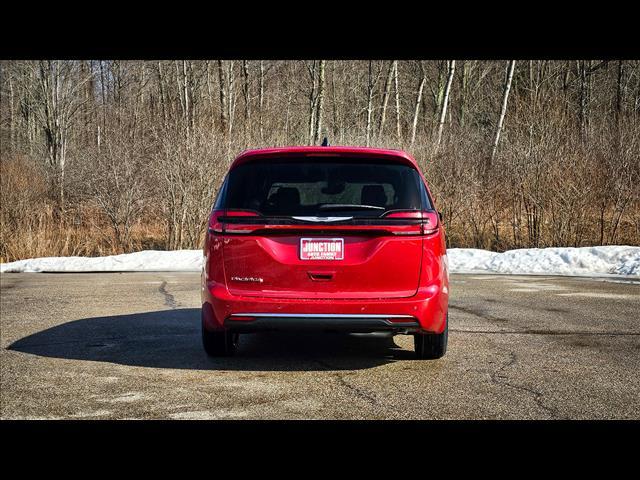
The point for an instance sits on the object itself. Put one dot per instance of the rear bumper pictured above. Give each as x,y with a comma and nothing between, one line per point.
425,311
338,322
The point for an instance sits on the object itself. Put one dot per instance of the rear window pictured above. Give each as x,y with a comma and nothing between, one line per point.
358,188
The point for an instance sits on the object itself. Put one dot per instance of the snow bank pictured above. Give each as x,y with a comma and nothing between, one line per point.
147,260
607,260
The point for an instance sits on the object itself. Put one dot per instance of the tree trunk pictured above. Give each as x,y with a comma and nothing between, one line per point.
385,97
416,110
261,99
583,112
210,95
503,111
334,101
464,80
53,121
160,86
370,85
565,89
620,91
312,101
438,94
231,95
286,120
224,114
11,114
319,102
443,113
187,106
245,91
397,95
104,97
87,71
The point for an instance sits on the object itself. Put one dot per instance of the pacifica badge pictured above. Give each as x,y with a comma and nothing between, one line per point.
247,279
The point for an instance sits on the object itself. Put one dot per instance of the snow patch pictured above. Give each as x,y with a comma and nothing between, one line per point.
145,261
604,260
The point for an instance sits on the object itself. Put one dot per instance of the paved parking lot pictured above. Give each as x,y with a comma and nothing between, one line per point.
127,345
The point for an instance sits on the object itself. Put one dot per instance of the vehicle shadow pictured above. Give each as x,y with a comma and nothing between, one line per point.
171,339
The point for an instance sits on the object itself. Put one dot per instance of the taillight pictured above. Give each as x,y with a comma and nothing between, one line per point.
216,223
430,223
428,226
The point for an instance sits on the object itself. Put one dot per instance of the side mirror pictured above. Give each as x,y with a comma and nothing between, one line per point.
440,216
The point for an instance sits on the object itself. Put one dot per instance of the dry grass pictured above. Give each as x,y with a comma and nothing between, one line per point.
31,226
45,236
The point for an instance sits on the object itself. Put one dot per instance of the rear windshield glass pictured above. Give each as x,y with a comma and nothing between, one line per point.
358,188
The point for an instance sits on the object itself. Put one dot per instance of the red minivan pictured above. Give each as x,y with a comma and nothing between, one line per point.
327,239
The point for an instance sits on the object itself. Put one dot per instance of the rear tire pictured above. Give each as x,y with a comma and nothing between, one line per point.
219,344
430,346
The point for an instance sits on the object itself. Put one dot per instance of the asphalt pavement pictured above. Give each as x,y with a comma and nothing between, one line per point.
127,345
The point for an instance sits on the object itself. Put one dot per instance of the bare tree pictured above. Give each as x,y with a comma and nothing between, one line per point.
372,80
334,100
620,90
116,181
313,98
385,97
397,95
224,109
261,99
231,93
416,110
245,91
464,81
503,110
163,101
55,99
210,95
185,94
443,113
319,102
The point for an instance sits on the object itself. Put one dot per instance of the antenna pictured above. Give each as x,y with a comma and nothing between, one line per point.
325,142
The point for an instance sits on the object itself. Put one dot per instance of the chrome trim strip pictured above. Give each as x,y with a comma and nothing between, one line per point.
318,315
323,219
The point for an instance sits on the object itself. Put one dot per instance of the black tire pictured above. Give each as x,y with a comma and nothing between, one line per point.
219,344
430,346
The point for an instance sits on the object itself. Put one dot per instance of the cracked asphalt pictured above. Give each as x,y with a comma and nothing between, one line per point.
127,345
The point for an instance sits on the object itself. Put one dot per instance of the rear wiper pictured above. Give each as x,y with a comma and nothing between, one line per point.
348,206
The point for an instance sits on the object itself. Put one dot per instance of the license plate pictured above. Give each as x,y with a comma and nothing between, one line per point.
322,248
